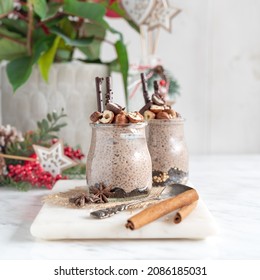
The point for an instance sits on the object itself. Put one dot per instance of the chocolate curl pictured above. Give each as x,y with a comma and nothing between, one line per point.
162,208
156,87
145,90
156,90
99,94
109,93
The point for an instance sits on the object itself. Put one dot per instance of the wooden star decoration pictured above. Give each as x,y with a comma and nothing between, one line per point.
53,159
161,16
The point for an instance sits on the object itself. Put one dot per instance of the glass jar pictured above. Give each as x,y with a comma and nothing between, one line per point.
119,157
168,150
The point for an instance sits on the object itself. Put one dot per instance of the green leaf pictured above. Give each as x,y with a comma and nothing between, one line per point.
49,117
72,42
17,26
123,62
19,70
46,60
91,11
92,51
10,50
45,125
41,46
5,32
52,9
39,124
40,8
55,116
114,66
6,6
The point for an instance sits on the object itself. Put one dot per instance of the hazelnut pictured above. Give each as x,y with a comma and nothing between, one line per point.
121,118
157,100
171,113
166,107
94,117
149,115
135,117
156,108
107,117
163,115
178,115
145,107
115,108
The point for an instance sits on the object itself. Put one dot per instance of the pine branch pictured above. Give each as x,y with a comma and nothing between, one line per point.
47,130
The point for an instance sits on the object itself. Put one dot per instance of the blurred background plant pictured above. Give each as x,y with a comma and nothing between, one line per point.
46,31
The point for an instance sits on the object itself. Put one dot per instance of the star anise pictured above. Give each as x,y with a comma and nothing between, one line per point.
83,199
101,191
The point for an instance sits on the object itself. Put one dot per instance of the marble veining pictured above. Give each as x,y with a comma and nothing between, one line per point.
229,185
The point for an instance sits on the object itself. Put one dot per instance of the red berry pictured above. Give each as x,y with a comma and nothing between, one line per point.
162,83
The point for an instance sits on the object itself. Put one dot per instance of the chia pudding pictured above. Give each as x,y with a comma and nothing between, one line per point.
119,157
168,150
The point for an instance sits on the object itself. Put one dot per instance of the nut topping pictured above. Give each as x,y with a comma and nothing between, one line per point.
171,113
135,117
94,117
156,109
149,115
108,117
121,118
163,115
115,108
157,100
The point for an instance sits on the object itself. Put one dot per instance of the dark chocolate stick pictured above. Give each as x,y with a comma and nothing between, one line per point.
145,90
156,87
99,94
109,93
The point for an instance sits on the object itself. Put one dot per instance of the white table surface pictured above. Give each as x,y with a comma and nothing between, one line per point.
229,185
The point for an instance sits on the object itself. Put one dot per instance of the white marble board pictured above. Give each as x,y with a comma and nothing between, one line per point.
54,223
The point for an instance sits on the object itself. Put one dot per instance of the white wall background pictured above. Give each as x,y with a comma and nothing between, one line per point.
214,52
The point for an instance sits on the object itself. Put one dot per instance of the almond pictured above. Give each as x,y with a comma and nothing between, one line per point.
107,117
149,115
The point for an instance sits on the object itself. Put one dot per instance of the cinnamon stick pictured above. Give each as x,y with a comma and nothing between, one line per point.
17,157
145,90
184,212
99,94
162,208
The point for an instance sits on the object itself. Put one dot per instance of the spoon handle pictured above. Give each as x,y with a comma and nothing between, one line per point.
111,211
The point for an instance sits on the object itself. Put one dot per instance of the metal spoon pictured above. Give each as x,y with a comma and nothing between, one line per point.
169,191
